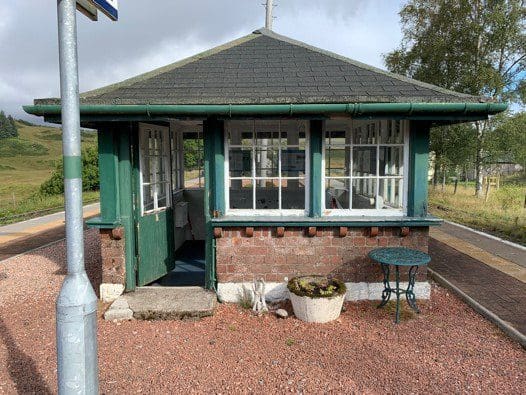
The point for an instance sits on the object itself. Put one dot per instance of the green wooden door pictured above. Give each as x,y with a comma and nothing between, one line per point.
155,242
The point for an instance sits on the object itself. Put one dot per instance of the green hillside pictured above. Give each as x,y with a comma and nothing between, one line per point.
26,162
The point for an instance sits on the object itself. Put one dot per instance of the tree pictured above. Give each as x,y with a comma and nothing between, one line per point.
7,126
454,147
476,47
90,174
508,140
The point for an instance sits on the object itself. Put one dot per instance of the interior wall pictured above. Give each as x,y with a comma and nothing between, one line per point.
195,229
179,233
196,210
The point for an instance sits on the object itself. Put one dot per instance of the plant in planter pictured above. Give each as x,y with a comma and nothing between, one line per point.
316,298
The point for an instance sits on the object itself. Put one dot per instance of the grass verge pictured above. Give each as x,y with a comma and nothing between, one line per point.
37,205
503,214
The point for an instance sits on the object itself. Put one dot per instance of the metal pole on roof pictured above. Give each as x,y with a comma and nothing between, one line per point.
268,19
77,303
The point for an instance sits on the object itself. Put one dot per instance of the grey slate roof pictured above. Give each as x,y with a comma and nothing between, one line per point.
263,68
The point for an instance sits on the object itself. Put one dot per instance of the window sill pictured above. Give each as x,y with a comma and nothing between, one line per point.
98,222
350,221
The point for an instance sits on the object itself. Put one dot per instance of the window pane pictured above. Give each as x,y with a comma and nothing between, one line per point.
267,133
267,192
335,137
391,192
293,162
146,169
337,193
391,161
240,133
161,174
293,194
162,195
293,134
336,160
364,161
337,132
391,132
266,162
364,193
241,194
147,198
240,162
365,133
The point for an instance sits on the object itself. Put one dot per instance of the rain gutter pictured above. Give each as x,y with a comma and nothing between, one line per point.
230,110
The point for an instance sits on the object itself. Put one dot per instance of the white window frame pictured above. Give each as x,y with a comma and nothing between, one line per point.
177,161
266,212
376,212
145,128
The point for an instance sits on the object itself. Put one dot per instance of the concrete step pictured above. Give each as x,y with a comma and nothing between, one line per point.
163,303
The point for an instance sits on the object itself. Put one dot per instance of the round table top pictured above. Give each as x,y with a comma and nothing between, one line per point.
401,256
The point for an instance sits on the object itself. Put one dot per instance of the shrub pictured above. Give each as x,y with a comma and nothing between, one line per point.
90,174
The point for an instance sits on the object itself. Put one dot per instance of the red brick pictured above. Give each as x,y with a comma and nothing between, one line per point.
382,241
371,241
359,241
266,256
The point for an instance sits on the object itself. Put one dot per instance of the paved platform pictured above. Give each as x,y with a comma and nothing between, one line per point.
20,237
495,283
487,243
165,303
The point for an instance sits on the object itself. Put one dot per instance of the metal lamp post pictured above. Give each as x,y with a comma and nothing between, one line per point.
77,303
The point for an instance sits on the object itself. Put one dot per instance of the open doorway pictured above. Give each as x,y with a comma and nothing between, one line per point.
187,158
171,223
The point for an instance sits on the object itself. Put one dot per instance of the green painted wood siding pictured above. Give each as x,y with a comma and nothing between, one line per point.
126,179
214,168
108,176
418,169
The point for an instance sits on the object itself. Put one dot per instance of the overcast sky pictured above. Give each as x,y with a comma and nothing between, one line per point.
150,34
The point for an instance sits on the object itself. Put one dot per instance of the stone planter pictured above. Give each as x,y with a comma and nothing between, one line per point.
317,309
316,298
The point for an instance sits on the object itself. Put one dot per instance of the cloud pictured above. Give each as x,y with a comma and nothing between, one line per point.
150,34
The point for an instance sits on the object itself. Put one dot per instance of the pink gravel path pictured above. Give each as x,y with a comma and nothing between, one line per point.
446,349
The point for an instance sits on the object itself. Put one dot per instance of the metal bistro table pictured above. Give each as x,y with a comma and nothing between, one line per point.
399,256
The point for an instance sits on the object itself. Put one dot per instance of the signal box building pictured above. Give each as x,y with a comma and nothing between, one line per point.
262,158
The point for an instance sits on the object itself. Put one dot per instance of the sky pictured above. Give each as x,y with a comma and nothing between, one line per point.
151,34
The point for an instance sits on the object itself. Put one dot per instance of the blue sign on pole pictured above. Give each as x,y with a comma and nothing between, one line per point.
109,7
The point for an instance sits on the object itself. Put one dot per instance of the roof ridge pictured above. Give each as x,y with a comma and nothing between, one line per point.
169,67
269,33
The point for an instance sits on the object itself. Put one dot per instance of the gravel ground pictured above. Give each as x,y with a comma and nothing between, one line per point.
446,349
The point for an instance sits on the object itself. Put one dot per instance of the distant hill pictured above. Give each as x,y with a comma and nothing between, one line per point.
27,161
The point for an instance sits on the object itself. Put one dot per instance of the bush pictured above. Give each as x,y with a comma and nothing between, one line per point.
90,174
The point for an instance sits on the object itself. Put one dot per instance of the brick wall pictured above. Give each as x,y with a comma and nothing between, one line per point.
240,258
113,256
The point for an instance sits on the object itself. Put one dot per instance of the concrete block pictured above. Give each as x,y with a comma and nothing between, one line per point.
110,292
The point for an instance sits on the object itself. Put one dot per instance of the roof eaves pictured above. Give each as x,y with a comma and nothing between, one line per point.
443,91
